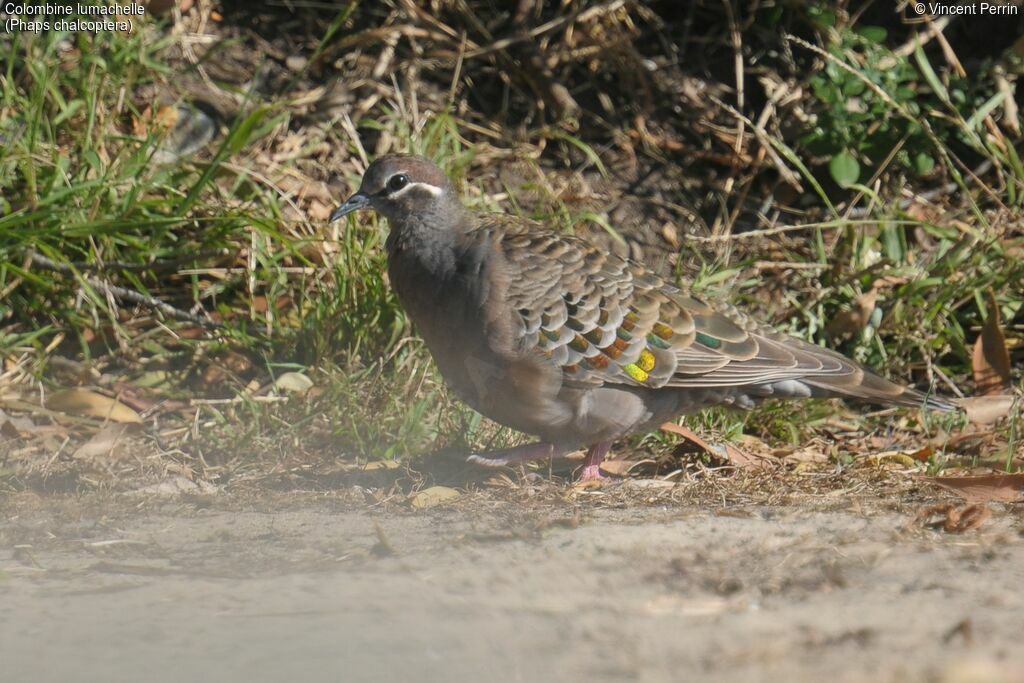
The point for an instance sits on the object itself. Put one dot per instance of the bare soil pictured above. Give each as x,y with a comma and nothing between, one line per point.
639,582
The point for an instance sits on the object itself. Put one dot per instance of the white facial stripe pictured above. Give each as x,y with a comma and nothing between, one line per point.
432,189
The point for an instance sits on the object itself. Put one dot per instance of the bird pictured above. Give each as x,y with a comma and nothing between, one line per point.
551,335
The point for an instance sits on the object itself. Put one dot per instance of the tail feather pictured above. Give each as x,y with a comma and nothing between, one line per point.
855,381
871,387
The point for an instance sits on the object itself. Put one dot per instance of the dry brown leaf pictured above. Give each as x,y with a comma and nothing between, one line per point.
890,281
108,443
965,442
986,488
734,456
991,360
86,402
954,519
8,430
435,495
620,468
922,454
853,321
986,410
380,465
908,458
808,455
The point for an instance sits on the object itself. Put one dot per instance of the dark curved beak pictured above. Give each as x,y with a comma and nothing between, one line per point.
353,203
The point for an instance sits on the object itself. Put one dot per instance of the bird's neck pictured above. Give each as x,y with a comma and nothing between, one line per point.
430,238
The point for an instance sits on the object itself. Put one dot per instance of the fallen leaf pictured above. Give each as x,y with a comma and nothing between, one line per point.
986,410
435,495
965,442
380,465
8,430
109,443
86,402
727,452
901,457
954,519
223,371
176,486
991,360
813,454
922,454
853,321
620,468
996,488
909,458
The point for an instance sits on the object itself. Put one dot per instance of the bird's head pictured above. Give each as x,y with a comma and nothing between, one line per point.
398,186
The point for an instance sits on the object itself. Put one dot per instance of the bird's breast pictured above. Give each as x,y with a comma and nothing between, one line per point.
468,334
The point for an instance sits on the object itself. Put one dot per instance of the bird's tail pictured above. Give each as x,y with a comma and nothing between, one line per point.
867,386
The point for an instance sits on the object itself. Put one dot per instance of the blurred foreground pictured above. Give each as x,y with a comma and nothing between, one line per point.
200,588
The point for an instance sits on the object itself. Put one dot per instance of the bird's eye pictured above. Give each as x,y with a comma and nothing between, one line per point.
397,182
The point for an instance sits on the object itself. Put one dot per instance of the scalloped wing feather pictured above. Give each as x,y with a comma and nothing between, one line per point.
606,320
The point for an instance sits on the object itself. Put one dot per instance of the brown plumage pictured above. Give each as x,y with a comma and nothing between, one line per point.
550,335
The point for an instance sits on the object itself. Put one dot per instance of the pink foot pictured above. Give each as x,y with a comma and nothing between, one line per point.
591,471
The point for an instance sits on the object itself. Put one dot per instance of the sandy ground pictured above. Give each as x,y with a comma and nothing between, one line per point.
307,589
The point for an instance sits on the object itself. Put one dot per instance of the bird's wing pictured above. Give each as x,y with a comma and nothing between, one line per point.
606,320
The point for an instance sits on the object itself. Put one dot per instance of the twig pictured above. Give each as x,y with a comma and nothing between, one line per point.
737,50
1010,120
123,294
789,265
454,88
171,264
934,28
788,175
547,27
766,232
236,400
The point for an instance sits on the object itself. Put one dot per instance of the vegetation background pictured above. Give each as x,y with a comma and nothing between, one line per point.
172,299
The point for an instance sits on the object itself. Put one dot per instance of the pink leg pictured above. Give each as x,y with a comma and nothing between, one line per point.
592,464
524,453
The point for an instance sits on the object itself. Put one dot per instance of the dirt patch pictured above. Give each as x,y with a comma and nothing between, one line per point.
232,587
